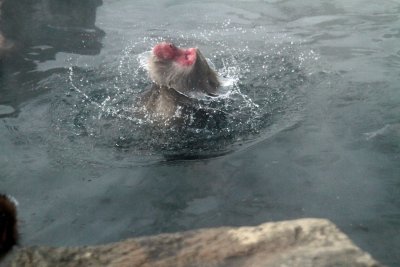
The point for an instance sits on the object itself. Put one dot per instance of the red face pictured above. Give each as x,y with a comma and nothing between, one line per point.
167,51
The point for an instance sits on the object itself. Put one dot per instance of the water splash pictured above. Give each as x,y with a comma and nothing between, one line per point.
261,94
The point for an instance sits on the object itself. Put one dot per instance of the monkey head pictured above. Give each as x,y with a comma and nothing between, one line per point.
185,70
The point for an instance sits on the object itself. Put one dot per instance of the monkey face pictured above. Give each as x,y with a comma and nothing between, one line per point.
185,70
169,52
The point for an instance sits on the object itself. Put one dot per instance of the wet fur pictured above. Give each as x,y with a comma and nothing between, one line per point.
172,85
8,224
199,77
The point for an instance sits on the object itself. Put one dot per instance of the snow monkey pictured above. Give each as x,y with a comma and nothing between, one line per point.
178,75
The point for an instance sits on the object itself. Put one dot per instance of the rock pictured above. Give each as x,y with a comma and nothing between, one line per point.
64,26
302,243
5,44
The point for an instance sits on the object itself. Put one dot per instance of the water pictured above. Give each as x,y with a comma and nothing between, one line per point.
311,96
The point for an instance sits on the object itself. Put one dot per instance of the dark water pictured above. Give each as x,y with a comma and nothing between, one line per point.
312,130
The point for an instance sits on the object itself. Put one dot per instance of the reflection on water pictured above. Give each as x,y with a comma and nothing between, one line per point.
312,103
39,30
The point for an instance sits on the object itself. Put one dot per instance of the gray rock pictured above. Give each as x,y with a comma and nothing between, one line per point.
5,44
61,25
302,243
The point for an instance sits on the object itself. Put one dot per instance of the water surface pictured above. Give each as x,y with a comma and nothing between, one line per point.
313,129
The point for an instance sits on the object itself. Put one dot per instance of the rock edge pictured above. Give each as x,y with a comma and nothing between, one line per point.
302,243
